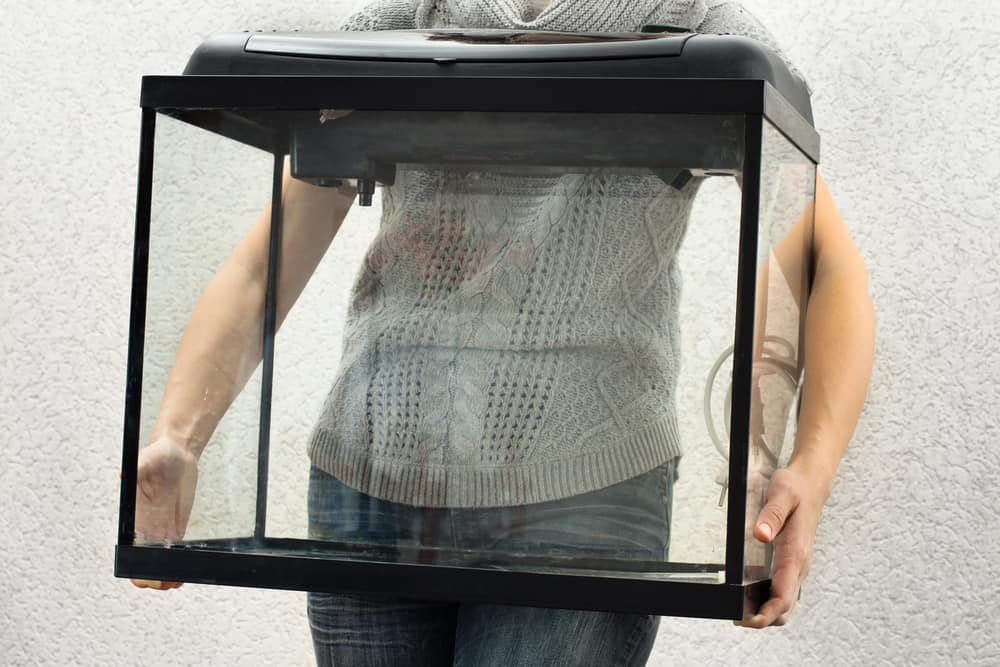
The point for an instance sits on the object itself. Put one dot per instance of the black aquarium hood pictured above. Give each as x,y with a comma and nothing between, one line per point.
658,52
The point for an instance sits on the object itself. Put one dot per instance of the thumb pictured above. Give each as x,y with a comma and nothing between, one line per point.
771,518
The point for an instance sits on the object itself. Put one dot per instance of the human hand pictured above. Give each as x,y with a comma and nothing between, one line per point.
164,495
789,519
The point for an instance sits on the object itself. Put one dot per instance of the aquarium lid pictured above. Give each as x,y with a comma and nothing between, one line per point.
657,52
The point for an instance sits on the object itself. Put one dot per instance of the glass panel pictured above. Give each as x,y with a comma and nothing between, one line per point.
493,365
517,368
208,192
788,181
308,346
708,262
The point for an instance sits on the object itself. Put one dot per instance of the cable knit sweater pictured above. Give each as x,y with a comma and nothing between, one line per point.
513,339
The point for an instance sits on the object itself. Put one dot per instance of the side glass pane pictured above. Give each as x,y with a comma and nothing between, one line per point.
708,262
519,365
308,348
208,192
788,180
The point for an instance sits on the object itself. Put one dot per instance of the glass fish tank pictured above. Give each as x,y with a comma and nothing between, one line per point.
476,315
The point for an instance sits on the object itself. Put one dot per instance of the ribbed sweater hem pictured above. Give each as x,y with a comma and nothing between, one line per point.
495,486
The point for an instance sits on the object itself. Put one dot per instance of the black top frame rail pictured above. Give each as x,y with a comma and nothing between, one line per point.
523,94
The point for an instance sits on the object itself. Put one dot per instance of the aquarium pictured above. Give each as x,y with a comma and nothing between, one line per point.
480,315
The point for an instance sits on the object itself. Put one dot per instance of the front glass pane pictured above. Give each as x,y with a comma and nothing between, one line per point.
787,191
495,363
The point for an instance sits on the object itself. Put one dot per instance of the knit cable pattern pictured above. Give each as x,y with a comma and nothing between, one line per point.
513,338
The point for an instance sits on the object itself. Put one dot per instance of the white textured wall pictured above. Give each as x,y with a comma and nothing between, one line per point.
906,568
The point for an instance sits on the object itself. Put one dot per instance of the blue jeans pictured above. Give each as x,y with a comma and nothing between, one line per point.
630,520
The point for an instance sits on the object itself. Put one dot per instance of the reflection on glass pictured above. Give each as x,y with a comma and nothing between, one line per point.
784,250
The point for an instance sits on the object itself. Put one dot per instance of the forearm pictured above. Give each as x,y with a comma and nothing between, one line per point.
218,351
222,342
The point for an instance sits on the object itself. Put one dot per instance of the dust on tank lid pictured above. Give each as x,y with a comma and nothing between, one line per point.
656,52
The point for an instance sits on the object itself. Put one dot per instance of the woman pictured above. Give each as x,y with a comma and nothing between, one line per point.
504,444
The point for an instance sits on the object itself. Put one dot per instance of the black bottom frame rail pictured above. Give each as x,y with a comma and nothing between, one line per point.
431,555
441,582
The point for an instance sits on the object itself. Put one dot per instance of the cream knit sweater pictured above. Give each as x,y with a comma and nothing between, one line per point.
513,339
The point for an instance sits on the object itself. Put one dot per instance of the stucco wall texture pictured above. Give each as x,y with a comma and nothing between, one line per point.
907,559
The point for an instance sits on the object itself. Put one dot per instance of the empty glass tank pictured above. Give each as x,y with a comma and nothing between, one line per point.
558,348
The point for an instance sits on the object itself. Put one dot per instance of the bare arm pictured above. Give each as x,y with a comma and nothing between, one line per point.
219,350
839,352
221,344
840,348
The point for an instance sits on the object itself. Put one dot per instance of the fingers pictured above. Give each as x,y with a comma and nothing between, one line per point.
791,565
165,485
156,585
788,519
150,583
784,593
781,501
157,507
773,612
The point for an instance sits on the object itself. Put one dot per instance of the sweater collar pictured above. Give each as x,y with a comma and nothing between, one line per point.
563,15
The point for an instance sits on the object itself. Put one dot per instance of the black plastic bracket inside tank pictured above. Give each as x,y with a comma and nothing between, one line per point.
370,144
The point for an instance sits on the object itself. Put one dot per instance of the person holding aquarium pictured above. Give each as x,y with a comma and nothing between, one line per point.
525,455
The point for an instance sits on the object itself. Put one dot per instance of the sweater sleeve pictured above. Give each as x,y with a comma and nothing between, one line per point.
382,15
729,17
